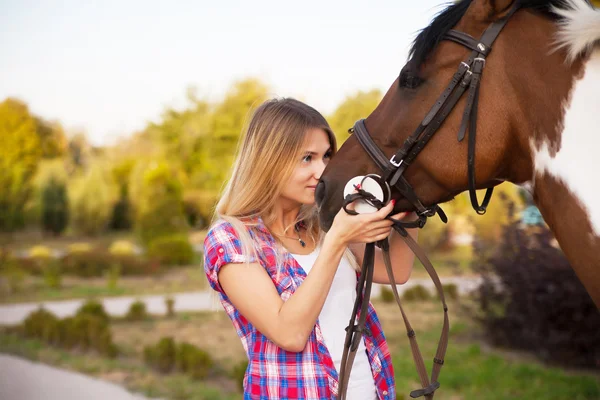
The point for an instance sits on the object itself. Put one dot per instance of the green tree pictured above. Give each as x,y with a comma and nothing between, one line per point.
52,138
228,121
55,206
353,108
91,198
159,206
20,153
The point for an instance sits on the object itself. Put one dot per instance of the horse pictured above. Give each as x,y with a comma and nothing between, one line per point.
535,108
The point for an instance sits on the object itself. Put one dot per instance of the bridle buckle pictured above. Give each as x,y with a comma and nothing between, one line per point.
395,163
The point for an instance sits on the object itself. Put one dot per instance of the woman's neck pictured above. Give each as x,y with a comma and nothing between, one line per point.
284,219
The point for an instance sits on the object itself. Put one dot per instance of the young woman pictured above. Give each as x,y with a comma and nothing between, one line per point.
288,287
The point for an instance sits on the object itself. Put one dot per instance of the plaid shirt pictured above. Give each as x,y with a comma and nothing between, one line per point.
274,373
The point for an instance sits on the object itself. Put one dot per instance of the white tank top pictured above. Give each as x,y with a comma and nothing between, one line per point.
334,318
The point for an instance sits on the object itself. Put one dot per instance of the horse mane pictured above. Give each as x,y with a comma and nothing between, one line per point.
429,37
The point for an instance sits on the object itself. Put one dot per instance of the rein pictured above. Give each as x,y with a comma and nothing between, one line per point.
466,79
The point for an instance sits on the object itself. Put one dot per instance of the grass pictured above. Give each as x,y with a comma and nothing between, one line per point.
181,279
472,368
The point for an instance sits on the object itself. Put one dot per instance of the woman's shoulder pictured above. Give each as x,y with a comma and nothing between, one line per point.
220,231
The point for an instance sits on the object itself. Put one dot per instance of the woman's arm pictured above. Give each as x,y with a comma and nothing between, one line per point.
288,324
401,256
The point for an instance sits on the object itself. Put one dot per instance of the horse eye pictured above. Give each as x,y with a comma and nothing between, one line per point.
409,81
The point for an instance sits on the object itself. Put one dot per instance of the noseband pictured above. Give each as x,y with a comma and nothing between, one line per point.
466,78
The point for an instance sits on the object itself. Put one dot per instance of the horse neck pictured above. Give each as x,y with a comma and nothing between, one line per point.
563,161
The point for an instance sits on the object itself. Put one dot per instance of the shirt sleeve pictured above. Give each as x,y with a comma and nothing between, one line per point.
222,246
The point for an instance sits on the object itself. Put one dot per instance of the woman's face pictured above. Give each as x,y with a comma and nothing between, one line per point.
300,188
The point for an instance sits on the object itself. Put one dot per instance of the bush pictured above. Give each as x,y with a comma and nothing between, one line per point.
170,304
416,293
12,274
122,248
137,311
88,331
42,325
193,361
238,372
81,247
87,264
161,356
40,252
172,250
112,276
387,296
97,263
531,299
52,274
95,308
450,291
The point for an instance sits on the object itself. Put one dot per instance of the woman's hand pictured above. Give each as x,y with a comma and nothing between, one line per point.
362,228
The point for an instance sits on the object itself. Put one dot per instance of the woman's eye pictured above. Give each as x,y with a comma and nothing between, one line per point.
327,155
409,81
307,158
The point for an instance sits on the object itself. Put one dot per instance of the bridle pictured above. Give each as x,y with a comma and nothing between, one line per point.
466,78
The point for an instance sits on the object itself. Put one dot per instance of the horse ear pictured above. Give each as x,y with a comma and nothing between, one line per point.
490,10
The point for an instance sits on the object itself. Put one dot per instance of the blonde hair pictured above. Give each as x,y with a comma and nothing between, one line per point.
266,157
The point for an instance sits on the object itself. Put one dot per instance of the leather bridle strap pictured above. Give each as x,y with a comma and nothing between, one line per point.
356,329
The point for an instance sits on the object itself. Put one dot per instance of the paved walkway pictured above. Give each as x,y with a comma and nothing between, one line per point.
12,314
25,380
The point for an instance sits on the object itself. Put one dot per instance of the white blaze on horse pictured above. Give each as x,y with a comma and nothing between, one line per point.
535,106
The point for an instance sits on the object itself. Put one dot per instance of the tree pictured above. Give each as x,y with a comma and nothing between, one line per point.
353,108
52,138
20,153
159,205
55,206
91,198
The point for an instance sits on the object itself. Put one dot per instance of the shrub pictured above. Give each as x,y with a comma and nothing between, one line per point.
112,276
193,361
88,331
81,247
87,264
416,293
387,296
170,304
137,311
136,265
238,372
52,274
450,291
122,248
12,274
40,252
43,325
172,250
531,299
95,308
161,356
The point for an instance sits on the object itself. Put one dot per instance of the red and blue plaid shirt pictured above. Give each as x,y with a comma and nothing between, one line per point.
274,373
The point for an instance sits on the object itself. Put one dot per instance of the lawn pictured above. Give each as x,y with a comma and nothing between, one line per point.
176,280
473,369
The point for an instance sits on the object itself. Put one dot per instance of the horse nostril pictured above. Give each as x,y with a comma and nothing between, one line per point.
320,192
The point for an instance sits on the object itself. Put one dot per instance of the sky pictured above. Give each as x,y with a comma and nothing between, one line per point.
109,67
